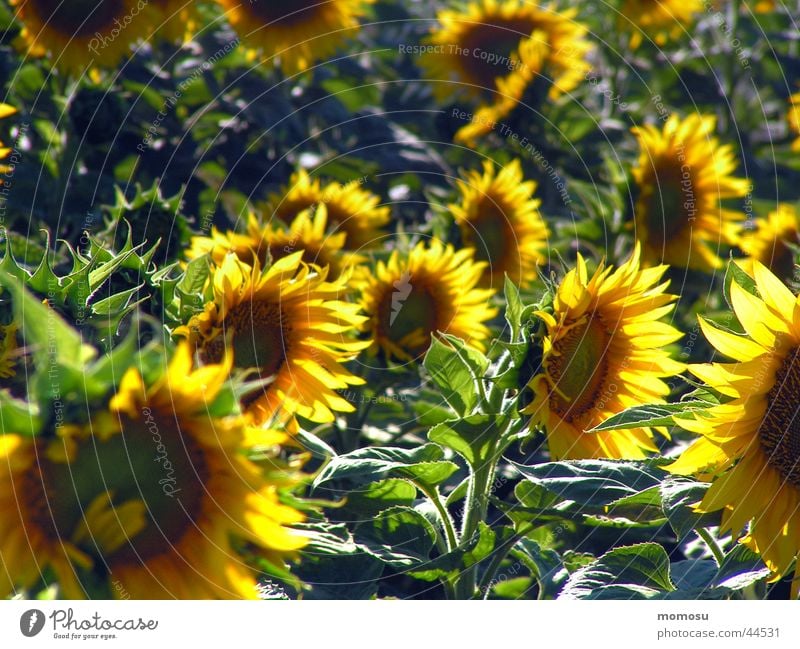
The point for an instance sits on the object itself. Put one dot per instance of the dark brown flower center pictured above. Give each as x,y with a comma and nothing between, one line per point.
489,49
780,260
779,432
78,17
673,203
411,307
260,338
493,238
152,461
284,14
577,366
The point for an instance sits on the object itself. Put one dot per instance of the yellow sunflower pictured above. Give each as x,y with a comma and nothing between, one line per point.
751,444
764,6
489,116
5,111
430,289
290,324
475,47
296,34
500,219
8,350
351,209
603,352
767,242
307,233
156,496
77,34
683,173
793,117
659,20
177,20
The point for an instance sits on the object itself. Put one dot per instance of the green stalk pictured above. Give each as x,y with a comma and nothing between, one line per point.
477,504
719,556
447,522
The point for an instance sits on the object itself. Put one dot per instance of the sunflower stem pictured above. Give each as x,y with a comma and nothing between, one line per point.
498,557
713,546
447,522
477,504
732,59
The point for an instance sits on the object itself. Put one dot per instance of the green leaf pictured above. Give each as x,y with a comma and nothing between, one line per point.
513,313
649,415
429,474
735,274
545,564
318,447
470,437
482,547
377,496
678,496
593,482
452,372
740,568
18,416
535,495
195,276
429,414
399,536
633,572
377,463
53,340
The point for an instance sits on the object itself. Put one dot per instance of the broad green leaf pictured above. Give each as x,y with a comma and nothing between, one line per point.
593,482
740,568
195,276
545,564
18,416
649,415
470,437
482,547
632,572
399,536
452,375
679,496
377,463
376,496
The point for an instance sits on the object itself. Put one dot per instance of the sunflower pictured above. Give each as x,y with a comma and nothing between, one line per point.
5,111
500,219
475,47
8,350
288,323
603,352
767,243
793,117
488,117
296,34
659,20
682,175
307,233
177,20
156,495
750,445
430,289
82,33
351,209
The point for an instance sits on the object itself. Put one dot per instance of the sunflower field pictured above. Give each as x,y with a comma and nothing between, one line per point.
383,299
